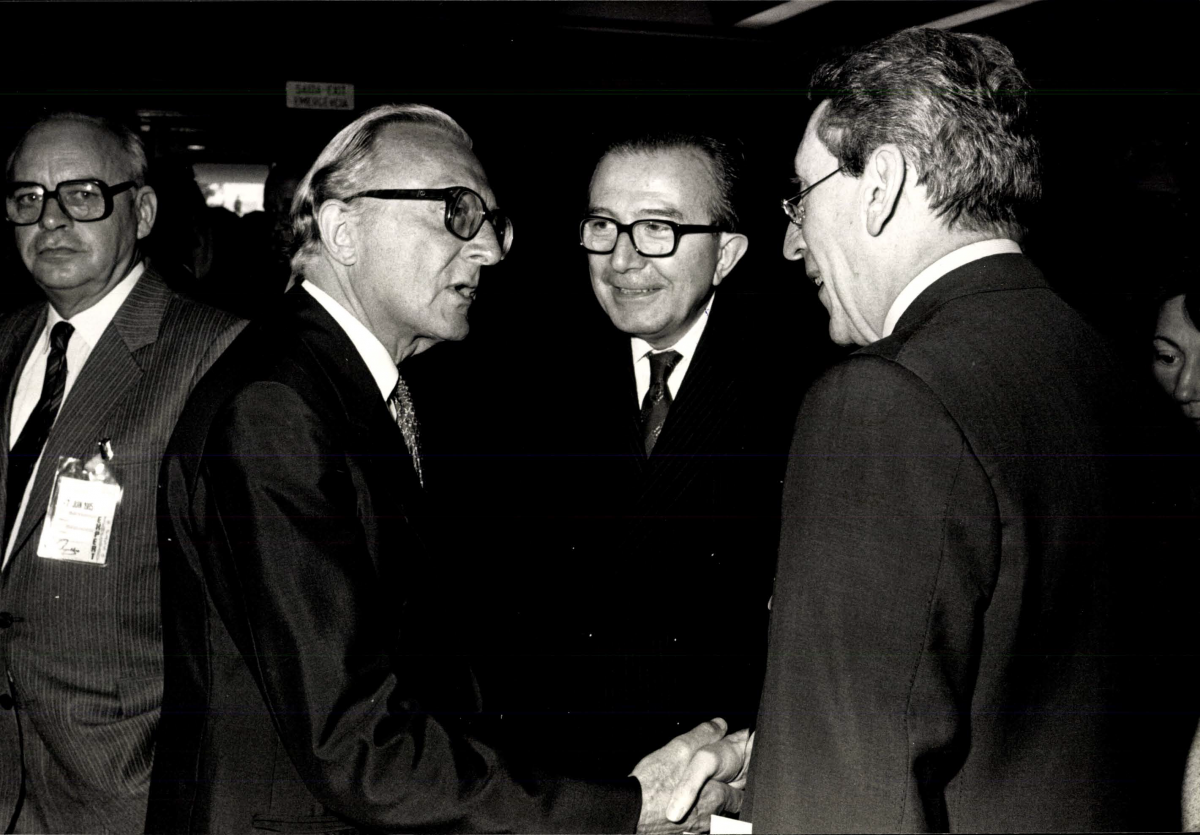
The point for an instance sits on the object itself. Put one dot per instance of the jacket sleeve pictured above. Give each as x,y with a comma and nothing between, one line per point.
298,583
888,556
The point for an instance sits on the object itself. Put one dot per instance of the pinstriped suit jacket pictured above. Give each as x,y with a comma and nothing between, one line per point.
83,664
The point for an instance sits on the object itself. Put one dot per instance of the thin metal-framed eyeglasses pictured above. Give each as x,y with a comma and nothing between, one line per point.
793,207
465,211
86,201
651,237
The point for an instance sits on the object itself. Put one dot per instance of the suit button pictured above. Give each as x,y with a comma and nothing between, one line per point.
6,701
6,620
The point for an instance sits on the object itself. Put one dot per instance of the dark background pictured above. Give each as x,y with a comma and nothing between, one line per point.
540,86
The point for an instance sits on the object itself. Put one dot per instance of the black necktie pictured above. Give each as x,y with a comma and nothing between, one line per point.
24,453
658,397
406,419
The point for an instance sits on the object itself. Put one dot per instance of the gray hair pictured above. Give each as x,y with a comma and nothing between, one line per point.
956,105
343,168
131,144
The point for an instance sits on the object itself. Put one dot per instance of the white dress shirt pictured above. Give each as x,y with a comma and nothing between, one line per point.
379,361
89,326
943,266
686,347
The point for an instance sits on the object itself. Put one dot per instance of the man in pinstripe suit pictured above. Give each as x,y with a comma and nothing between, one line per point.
108,361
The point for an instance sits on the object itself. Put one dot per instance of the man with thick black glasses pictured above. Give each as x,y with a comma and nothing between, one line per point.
658,487
94,377
313,677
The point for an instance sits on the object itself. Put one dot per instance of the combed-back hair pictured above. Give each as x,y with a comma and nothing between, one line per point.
725,161
343,168
131,143
956,106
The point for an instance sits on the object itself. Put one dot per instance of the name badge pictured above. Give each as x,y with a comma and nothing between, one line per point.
83,504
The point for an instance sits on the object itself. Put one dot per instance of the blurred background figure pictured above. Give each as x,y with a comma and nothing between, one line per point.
1177,351
268,233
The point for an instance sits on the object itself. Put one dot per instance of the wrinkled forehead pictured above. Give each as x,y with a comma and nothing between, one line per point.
813,160
423,156
69,151
680,177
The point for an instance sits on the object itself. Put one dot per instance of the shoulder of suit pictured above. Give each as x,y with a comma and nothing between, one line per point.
186,316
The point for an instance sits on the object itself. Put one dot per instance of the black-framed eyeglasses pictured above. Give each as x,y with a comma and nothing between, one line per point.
85,201
465,211
652,238
793,207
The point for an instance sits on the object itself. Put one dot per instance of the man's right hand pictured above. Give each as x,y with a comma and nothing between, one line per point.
677,792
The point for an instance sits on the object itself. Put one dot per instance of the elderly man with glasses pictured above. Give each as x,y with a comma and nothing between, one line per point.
659,488
974,626
314,682
95,378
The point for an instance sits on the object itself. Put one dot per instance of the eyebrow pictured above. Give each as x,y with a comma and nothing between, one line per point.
1160,338
641,214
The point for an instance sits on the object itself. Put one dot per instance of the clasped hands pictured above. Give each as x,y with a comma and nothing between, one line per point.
692,777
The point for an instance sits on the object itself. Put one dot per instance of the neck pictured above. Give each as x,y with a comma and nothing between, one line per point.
72,303
336,281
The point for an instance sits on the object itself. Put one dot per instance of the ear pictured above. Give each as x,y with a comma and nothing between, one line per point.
883,179
335,220
145,205
733,246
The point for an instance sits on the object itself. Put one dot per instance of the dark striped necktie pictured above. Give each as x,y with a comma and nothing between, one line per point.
406,419
658,397
25,452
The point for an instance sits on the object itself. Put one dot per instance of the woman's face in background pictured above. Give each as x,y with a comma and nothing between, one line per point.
1177,358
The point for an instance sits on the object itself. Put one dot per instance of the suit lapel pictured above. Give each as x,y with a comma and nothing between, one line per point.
111,371
365,409
18,332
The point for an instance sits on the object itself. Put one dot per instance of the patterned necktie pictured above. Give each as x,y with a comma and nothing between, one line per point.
406,419
658,397
24,453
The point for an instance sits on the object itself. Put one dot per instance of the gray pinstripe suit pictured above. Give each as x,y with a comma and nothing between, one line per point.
81,648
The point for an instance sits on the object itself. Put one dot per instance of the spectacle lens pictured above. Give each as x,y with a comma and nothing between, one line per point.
466,214
651,238
80,200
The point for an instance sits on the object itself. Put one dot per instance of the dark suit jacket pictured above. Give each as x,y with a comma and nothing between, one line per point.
313,682
620,557
82,650
971,624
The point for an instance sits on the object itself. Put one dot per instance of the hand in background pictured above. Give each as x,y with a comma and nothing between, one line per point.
716,773
664,773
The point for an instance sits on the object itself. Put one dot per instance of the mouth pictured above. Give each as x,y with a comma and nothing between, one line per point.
56,252
633,292
466,291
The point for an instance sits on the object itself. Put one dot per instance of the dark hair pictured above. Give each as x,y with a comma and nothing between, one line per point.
130,142
955,105
724,165
344,166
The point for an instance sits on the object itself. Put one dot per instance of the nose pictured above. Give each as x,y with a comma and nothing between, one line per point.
1187,384
624,256
793,243
53,215
484,248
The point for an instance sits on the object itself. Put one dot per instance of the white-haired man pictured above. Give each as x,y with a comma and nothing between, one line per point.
313,683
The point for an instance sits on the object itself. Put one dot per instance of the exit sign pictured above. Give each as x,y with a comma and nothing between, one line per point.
320,95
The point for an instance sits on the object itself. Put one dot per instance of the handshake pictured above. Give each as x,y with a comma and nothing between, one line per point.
692,777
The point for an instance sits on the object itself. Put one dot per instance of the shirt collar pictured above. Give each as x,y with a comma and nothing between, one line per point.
379,361
943,266
685,346
90,324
